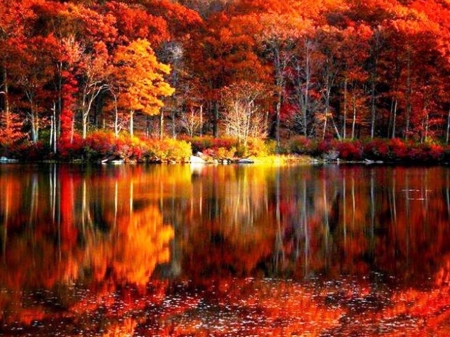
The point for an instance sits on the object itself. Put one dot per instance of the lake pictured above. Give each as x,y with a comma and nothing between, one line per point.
179,250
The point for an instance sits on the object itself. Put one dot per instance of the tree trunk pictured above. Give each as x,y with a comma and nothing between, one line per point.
408,94
215,120
344,122
34,119
85,123
372,108
5,93
131,123
394,118
201,120
376,47
447,136
116,118
89,96
279,85
59,104
161,124
325,125
53,134
354,116
174,132
426,127
305,107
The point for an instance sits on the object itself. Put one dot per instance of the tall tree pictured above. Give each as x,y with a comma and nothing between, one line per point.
243,117
34,73
14,16
141,76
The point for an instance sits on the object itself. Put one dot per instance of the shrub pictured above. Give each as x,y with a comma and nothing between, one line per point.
302,145
271,147
376,149
398,150
446,153
130,148
258,147
326,146
99,144
436,152
168,150
350,150
31,151
69,149
224,153
201,144
426,153
242,151
227,143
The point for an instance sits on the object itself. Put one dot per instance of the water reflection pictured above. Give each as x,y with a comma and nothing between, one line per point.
224,250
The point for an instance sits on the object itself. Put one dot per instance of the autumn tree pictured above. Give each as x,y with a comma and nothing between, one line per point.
303,85
228,53
141,77
243,115
12,29
353,51
280,32
33,76
95,70
420,82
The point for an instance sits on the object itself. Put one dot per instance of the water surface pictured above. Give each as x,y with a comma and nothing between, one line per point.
224,250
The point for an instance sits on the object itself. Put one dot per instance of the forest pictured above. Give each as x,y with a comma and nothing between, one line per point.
157,79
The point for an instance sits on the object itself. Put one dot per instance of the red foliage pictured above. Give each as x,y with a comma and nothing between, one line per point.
99,144
68,89
302,145
327,145
376,149
203,143
127,147
350,150
70,148
398,150
30,151
426,153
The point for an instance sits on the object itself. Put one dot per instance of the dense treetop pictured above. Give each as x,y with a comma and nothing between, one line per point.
244,68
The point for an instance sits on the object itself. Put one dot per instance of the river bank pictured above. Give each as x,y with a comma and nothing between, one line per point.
103,147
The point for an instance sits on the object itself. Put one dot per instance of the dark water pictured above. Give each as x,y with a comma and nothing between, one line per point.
224,251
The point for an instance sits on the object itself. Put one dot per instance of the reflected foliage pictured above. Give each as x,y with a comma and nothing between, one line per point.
180,250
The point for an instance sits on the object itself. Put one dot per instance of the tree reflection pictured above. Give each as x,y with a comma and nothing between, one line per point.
70,236
225,250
